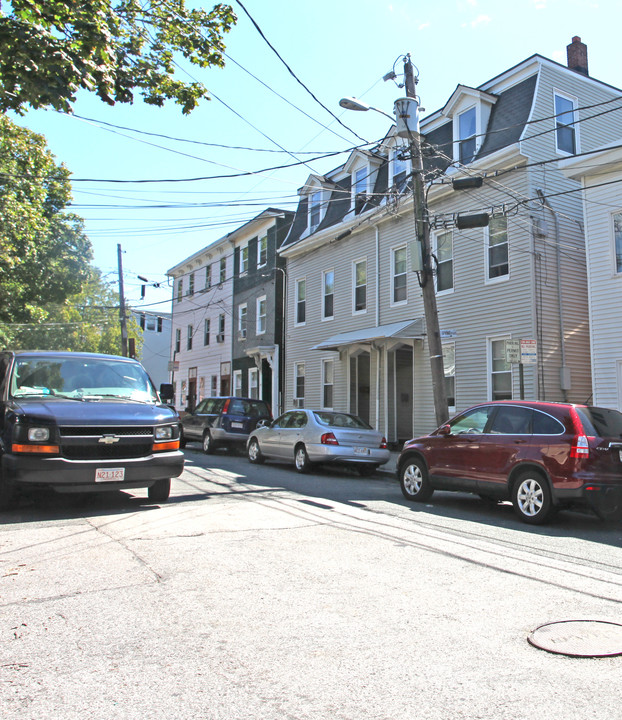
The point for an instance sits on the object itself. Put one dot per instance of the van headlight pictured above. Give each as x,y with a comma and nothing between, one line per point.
38,434
164,433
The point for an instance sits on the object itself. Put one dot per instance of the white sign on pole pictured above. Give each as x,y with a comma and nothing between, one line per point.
512,351
528,352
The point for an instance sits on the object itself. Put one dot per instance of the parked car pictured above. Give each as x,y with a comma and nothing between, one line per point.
306,437
80,422
542,456
224,421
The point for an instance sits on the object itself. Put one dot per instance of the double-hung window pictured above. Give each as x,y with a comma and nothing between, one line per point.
498,252
399,163
360,286
237,383
253,383
301,302
617,238
467,124
242,312
189,338
261,315
449,365
206,331
327,383
565,129
500,372
243,259
221,328
262,251
328,294
299,385
180,289
177,340
208,277
398,275
315,206
445,261
223,270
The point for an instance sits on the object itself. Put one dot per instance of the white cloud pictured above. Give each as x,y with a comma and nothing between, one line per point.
478,22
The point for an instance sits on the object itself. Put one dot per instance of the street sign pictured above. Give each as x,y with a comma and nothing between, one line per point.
513,351
528,352
173,365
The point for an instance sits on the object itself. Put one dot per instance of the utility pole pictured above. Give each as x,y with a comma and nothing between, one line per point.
422,229
122,316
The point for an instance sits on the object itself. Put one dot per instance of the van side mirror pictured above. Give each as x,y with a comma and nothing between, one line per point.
166,392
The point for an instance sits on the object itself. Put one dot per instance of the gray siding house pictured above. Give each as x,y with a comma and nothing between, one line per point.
356,334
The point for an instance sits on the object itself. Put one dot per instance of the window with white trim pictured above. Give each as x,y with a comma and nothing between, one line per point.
444,252
565,127
299,384
328,294
328,370
208,276
221,328
214,385
189,338
237,383
242,313
301,302
223,270
191,284
498,248
399,290
177,340
180,289
399,162
617,241
500,371
262,251
467,133
253,383
359,279
261,315
206,331
449,365
243,259
315,210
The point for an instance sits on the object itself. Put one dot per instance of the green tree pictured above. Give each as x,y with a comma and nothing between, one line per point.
51,49
44,253
87,321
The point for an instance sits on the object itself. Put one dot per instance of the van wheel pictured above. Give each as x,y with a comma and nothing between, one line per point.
531,497
182,439
301,460
8,494
208,443
414,480
159,491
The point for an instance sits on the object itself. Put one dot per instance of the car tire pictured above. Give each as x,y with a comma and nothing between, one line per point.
208,443
531,497
182,439
254,453
8,494
159,491
414,480
301,459
367,470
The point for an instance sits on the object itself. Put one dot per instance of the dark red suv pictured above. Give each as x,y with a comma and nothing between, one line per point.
539,455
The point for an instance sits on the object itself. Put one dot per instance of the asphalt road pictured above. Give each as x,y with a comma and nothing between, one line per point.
258,594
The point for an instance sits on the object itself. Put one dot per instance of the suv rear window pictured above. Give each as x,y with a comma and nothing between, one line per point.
601,422
249,408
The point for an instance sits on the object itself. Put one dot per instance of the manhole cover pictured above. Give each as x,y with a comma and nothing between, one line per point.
579,638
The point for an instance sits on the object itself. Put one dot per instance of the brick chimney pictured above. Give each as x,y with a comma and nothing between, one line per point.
577,55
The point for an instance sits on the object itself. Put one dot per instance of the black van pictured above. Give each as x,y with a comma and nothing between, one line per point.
79,422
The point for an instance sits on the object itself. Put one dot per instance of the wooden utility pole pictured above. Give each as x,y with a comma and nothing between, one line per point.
422,229
122,315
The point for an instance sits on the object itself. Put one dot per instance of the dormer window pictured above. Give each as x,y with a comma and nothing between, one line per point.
360,181
315,207
398,162
467,124
565,132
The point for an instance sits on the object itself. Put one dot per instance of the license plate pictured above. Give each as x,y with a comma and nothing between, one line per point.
109,474
237,424
361,451
620,451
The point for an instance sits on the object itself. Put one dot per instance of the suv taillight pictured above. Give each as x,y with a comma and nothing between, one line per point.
225,407
329,439
580,447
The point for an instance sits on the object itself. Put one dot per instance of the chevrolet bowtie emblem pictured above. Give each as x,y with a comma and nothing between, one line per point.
108,439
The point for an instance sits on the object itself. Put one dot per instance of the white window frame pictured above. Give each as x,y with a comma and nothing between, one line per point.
237,383
394,275
242,319
398,166
222,270
189,337
574,125
449,351
253,383
328,381
191,284
208,276
206,332
490,365
180,289
262,251
261,317
299,373
359,184
487,235
300,282
460,139
437,237
315,208
243,259
177,340
355,286
616,254
326,295
214,386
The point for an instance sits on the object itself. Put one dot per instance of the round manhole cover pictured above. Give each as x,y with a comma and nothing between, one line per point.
579,638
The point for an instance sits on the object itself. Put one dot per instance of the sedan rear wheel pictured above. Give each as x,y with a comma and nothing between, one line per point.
208,443
414,480
531,497
301,459
254,453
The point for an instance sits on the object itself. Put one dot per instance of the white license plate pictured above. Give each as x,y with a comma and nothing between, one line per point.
361,451
109,474
237,425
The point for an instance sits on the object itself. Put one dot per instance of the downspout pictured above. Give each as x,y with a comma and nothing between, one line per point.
564,373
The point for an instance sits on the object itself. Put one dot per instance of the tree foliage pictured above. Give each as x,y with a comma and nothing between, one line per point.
50,49
44,253
87,321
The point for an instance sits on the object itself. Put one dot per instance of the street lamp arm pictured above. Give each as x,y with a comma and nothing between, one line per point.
352,103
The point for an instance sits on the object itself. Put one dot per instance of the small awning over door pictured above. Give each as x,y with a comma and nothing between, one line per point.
407,330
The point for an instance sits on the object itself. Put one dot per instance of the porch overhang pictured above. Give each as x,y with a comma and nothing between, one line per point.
405,330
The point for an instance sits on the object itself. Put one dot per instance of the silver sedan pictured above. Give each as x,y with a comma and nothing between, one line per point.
306,437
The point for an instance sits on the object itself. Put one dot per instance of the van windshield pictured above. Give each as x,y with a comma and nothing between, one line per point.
80,379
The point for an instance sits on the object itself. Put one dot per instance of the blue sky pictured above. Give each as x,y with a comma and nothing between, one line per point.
336,48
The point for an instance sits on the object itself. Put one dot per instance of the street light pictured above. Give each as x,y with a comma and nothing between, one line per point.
352,103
